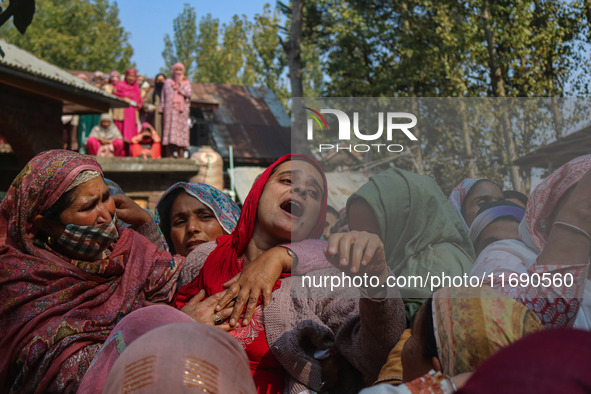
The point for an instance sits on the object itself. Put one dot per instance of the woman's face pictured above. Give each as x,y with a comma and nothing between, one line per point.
414,363
105,124
291,202
191,224
362,217
178,72
92,204
160,78
130,78
480,194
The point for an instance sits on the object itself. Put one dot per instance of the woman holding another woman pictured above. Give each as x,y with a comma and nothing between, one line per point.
299,343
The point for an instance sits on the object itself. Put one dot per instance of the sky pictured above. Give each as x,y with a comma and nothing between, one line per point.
147,21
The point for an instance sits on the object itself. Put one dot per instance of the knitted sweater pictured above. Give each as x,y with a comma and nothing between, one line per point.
362,331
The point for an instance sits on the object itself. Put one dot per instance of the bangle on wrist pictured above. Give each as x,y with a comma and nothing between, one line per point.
575,228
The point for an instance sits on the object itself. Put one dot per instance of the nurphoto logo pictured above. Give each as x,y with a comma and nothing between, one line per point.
395,122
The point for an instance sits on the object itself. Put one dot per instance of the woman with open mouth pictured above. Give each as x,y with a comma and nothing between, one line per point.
294,344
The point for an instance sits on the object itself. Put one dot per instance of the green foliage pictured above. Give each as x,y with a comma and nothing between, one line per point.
185,41
437,48
75,34
240,52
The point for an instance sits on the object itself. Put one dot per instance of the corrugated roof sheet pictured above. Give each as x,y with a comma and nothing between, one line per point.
22,60
251,119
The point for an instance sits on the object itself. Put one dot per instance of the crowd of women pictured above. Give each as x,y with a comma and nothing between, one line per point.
100,295
155,123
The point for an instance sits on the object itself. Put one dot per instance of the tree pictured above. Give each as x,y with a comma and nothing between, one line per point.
183,48
75,34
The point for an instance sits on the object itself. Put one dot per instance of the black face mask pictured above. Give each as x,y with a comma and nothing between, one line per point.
158,89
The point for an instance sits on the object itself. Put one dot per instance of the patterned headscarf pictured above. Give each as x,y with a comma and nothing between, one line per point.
534,227
459,193
472,323
225,210
56,312
38,186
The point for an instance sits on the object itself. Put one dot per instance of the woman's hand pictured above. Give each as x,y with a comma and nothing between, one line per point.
203,311
357,252
128,211
258,277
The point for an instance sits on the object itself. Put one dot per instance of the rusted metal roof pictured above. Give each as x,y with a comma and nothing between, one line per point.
557,153
22,70
251,119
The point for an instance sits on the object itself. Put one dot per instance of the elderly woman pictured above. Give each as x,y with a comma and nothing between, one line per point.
73,284
190,214
453,333
470,194
176,100
300,343
555,242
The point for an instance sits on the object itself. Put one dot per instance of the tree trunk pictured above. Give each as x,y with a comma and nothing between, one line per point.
467,140
498,89
292,49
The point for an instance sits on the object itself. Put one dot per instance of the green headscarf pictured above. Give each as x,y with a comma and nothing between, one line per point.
420,230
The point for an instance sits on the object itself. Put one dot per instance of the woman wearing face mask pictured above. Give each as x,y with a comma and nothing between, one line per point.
176,99
72,283
153,104
296,344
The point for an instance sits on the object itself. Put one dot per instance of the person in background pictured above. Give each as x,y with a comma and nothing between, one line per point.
129,91
554,241
332,215
176,100
472,193
98,79
113,80
146,144
105,139
495,221
152,104
516,197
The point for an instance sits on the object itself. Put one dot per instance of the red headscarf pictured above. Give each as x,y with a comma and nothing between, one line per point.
222,264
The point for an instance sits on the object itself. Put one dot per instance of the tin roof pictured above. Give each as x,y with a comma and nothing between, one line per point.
251,119
557,153
21,69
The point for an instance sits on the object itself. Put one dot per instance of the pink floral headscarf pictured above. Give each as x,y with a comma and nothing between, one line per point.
534,227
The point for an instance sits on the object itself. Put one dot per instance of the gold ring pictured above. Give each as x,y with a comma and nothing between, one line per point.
217,319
